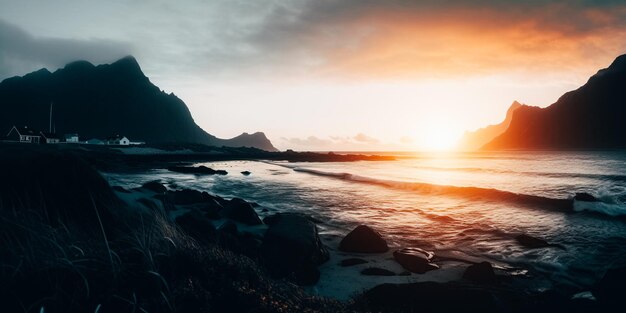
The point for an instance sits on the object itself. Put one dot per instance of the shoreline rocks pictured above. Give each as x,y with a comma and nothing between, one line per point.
363,239
292,248
586,197
480,273
198,170
415,260
241,211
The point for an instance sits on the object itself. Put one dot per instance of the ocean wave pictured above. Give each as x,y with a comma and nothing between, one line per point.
608,205
608,177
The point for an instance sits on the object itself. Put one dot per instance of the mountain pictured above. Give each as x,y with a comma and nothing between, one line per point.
591,117
474,140
99,101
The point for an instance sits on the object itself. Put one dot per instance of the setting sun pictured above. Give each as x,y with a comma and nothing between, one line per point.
437,136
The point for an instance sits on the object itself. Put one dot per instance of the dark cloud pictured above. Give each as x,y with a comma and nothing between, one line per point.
21,52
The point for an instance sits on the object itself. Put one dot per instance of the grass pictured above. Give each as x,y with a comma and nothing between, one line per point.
146,264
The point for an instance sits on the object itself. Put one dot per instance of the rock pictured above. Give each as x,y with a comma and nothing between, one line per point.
531,242
61,188
292,247
155,186
241,211
428,297
583,196
307,275
609,290
363,239
197,226
481,273
244,243
269,219
376,271
186,196
211,209
120,189
228,227
352,262
246,173
198,170
415,260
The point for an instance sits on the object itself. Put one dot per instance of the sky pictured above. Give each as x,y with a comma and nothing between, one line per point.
326,75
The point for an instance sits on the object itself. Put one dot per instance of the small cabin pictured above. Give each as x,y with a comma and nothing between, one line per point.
71,138
49,138
23,134
118,140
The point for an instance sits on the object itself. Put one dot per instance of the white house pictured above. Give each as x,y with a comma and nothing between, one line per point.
23,134
118,140
71,138
49,138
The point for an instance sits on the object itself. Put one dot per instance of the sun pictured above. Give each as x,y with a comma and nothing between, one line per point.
437,136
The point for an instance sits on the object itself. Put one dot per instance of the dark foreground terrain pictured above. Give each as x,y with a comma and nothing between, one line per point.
69,242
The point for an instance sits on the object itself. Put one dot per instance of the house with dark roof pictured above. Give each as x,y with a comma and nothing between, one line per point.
23,134
49,138
117,140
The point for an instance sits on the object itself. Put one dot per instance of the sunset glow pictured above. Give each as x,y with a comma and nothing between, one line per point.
322,72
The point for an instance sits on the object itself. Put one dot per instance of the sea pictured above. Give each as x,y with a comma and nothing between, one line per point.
475,203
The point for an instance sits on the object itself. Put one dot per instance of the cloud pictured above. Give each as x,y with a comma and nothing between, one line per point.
361,137
354,38
20,51
440,39
358,142
310,141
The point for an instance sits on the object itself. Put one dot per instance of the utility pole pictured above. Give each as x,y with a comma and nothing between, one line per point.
50,126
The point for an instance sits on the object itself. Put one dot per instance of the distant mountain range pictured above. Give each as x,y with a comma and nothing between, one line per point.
592,117
99,101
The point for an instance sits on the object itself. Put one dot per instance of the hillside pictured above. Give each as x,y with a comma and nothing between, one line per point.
99,101
591,117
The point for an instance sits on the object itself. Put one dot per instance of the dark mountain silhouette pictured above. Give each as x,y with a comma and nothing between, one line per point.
590,117
99,101
474,140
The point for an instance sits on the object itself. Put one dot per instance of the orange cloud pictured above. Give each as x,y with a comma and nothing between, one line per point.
467,40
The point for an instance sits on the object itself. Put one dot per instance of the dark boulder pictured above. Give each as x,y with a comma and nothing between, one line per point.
228,227
480,272
198,170
186,196
377,271
271,218
246,173
292,248
609,290
583,196
241,211
197,226
211,209
415,260
61,188
352,262
531,242
363,239
155,187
